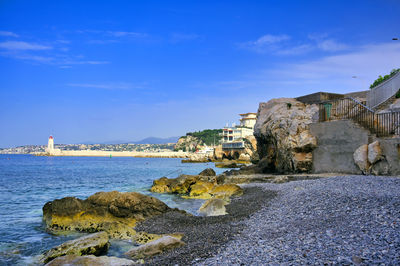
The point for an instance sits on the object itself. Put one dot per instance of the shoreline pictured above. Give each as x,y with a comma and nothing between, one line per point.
204,235
338,219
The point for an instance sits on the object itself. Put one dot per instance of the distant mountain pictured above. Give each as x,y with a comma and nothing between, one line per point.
153,140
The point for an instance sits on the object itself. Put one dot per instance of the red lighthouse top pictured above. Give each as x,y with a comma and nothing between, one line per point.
51,137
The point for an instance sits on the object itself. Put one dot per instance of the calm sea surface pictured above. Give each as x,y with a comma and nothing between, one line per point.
28,182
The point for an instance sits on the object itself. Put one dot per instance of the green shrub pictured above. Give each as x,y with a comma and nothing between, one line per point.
207,136
381,79
398,94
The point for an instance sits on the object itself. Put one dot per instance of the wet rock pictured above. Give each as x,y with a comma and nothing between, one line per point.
113,212
91,261
201,189
208,172
227,164
155,247
227,190
94,244
213,207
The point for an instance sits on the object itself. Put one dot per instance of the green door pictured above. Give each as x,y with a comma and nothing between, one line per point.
328,108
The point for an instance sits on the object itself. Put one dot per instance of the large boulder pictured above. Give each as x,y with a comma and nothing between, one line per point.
360,157
227,190
155,247
90,261
213,207
201,189
208,172
114,212
374,152
284,140
93,244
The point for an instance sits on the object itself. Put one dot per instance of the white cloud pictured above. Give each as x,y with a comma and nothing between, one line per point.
331,46
180,37
332,73
270,39
265,43
295,50
284,45
17,45
125,34
8,34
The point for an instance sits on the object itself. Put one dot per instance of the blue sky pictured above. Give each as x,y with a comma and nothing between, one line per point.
125,70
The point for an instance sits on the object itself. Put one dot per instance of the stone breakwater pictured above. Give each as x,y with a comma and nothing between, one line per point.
337,220
90,153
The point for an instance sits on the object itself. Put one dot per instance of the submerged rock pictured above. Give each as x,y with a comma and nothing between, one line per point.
114,212
90,261
94,244
213,207
155,247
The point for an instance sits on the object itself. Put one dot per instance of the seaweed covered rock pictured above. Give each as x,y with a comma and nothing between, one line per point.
90,261
114,212
208,172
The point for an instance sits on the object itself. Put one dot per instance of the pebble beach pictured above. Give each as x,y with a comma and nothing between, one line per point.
335,220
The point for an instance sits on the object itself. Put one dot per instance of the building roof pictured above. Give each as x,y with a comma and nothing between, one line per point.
248,118
249,114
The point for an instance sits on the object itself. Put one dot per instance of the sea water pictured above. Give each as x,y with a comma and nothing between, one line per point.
28,182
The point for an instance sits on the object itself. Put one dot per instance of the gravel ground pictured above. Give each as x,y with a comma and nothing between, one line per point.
337,220
205,236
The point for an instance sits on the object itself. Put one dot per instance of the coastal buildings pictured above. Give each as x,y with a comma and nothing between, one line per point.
233,137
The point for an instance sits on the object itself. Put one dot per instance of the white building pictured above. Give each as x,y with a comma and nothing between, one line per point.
232,137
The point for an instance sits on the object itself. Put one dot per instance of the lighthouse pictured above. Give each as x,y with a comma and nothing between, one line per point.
50,144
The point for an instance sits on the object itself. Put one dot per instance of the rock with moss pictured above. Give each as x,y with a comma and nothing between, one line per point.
227,190
114,212
91,260
155,247
93,244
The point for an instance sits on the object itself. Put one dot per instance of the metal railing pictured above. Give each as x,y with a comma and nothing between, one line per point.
388,124
383,91
383,124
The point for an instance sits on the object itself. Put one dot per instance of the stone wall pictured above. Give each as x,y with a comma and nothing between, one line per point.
345,147
336,144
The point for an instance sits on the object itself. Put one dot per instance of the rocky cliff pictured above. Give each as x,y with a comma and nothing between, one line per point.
188,143
284,141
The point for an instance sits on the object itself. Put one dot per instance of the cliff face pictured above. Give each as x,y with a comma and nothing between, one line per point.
284,141
188,143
